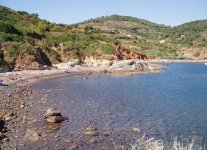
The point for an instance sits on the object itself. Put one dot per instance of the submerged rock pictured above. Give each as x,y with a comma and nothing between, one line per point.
136,129
91,130
54,116
92,141
31,135
73,147
106,131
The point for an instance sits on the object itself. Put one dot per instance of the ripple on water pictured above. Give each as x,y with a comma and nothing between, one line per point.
170,103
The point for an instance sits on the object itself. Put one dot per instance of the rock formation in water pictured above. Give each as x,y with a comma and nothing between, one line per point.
131,65
54,116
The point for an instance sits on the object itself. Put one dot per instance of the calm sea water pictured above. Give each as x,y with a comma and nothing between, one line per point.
170,103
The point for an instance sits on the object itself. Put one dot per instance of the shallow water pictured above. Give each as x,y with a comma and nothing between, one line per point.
170,103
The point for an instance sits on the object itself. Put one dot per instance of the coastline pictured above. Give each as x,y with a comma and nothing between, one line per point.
177,60
31,76
21,101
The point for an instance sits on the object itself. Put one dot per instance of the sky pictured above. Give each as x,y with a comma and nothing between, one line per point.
168,12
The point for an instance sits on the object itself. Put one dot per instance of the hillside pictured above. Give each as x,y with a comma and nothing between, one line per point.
25,39
154,39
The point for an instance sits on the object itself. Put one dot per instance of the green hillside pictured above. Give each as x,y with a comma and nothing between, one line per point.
25,38
193,34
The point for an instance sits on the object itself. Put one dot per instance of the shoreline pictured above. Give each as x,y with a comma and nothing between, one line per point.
26,101
178,60
31,76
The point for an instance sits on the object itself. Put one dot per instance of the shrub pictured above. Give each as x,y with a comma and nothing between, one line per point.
197,54
28,48
54,53
14,50
107,49
6,37
8,28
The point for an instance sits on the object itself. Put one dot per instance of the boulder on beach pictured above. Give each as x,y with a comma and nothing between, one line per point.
53,115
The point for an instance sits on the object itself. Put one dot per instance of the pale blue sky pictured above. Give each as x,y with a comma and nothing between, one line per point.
168,12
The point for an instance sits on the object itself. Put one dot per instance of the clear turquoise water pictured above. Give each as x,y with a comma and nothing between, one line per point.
166,104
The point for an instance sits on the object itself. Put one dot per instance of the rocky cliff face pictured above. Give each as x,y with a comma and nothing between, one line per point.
35,61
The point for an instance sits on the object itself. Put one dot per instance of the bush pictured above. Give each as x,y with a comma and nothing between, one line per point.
8,28
10,37
27,48
52,52
197,54
107,49
6,37
14,51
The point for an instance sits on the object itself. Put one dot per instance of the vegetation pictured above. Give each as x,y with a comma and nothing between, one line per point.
21,32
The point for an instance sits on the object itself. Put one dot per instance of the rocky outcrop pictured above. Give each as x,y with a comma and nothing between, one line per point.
122,53
36,61
130,65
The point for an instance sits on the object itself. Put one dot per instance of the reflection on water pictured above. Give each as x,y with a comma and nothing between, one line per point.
170,103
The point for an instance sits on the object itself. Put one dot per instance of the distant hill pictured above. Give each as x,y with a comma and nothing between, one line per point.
25,38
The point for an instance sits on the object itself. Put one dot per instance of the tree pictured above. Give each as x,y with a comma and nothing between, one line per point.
35,15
